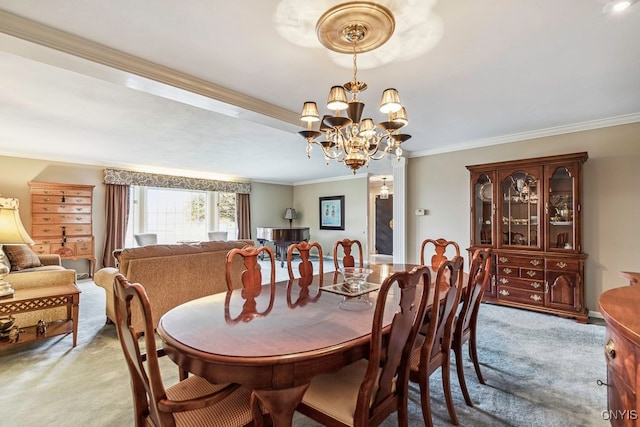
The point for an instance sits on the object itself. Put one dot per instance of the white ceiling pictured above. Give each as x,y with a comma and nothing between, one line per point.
494,71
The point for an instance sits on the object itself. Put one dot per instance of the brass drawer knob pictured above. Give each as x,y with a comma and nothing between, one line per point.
610,349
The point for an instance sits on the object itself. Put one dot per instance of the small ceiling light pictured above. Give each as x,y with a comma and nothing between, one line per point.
617,6
384,190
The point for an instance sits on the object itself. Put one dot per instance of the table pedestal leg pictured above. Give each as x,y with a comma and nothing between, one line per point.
281,404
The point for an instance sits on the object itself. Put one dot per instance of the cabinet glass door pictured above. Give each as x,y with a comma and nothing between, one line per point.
483,208
519,209
560,210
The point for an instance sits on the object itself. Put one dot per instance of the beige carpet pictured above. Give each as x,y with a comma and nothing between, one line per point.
541,370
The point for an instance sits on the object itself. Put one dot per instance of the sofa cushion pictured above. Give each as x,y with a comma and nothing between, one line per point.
21,257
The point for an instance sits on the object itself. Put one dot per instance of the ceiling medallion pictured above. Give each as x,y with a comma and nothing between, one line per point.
355,27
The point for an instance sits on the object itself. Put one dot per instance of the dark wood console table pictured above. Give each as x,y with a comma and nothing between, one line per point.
25,300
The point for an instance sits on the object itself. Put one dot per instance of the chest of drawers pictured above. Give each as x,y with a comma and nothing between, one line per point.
62,221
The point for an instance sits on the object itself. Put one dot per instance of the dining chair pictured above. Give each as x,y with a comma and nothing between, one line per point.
466,323
432,349
146,239
193,400
305,273
347,260
442,252
251,275
366,392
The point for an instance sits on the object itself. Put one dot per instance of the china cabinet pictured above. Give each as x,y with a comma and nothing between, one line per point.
61,221
529,212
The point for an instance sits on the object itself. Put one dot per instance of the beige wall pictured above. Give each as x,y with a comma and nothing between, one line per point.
268,203
611,204
306,200
17,172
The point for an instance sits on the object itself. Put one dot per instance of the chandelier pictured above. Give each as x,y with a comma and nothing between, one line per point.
355,27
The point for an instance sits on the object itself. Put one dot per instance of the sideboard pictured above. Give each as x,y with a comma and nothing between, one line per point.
619,308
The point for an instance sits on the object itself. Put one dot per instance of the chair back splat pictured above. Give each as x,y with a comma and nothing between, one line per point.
367,391
192,401
441,251
305,278
433,348
252,275
347,260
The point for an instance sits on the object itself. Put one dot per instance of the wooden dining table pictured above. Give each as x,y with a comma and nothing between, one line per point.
274,343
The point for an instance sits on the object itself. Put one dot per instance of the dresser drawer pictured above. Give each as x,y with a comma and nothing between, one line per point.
42,232
519,261
60,208
64,218
561,264
69,200
60,192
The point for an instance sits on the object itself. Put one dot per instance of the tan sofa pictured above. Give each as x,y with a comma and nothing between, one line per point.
52,273
171,274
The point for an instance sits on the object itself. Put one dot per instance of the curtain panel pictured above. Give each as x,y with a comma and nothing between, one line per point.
124,177
117,215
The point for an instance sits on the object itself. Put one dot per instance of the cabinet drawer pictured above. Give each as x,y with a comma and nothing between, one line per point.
562,264
64,218
60,192
516,261
60,208
621,357
531,285
531,274
41,249
524,296
84,249
508,271
70,200
42,232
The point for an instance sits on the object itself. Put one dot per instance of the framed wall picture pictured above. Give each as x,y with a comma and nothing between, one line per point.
332,213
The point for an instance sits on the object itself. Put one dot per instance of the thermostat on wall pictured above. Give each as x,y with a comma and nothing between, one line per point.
421,211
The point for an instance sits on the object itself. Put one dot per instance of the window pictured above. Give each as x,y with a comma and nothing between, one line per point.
180,215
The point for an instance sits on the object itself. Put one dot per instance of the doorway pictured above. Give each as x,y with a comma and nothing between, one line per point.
384,225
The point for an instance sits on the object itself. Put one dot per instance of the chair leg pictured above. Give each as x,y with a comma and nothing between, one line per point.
473,353
446,385
425,398
403,412
183,374
457,349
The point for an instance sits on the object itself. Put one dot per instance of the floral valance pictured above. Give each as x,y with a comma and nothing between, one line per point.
123,177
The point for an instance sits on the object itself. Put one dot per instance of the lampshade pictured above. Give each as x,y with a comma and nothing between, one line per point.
12,232
290,213
337,100
390,102
400,116
11,229
310,112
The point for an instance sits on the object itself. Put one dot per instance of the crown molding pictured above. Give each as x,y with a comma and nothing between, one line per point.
44,35
541,133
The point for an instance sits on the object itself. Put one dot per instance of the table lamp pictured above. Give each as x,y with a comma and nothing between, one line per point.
12,232
290,214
